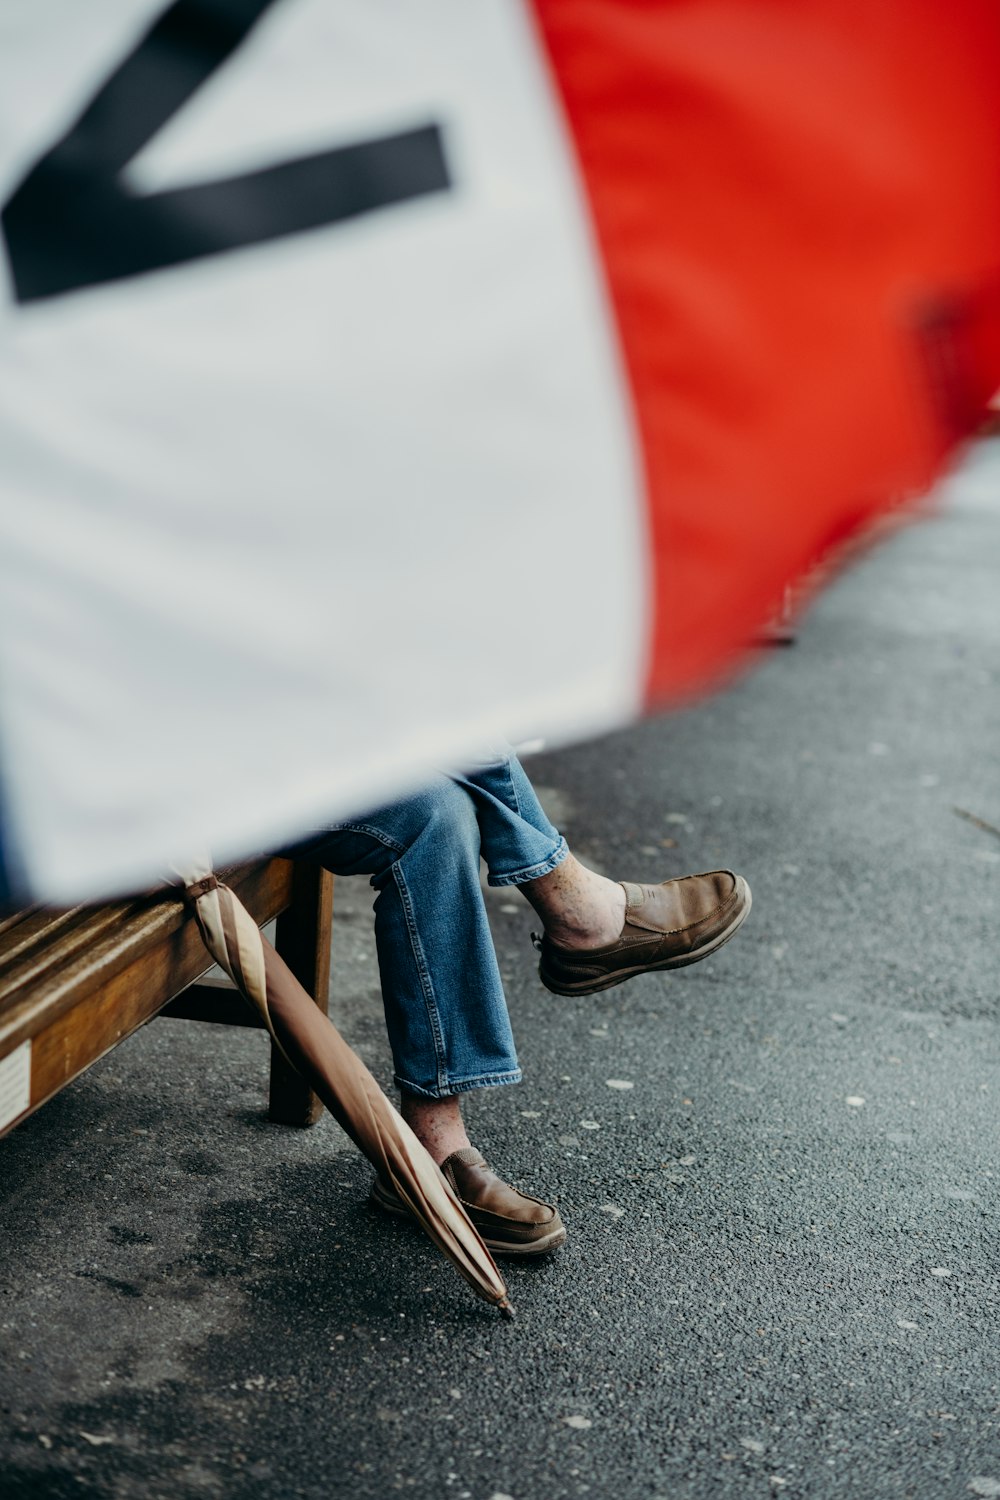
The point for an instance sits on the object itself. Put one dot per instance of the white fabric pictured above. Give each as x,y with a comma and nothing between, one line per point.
282,528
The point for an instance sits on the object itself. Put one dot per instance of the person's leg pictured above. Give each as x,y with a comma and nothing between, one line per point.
445,1009
437,1123
446,1014
578,907
521,847
597,932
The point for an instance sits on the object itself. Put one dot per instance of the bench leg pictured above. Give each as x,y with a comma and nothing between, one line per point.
302,937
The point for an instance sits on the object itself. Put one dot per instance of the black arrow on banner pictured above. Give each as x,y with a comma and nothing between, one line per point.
74,223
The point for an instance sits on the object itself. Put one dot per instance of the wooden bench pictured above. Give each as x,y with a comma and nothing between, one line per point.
75,983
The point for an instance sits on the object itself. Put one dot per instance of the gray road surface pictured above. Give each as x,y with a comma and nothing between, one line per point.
779,1168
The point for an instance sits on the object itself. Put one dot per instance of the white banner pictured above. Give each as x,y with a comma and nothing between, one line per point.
283,525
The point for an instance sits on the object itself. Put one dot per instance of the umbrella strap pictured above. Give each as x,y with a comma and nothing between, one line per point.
234,940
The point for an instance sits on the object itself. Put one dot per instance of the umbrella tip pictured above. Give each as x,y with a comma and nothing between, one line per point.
506,1309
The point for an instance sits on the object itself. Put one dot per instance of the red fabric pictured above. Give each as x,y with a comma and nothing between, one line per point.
797,207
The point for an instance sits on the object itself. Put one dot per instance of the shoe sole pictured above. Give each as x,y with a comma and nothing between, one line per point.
594,986
544,1246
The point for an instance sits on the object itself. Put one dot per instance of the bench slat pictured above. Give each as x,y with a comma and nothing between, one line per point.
75,983
46,983
50,938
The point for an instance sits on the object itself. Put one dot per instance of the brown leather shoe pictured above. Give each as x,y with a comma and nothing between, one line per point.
509,1221
666,927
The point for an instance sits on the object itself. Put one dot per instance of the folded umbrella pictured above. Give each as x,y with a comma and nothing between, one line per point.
313,1046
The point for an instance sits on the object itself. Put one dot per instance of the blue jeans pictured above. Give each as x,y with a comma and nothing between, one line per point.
445,1009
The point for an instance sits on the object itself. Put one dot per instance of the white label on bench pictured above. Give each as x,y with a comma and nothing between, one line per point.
15,1083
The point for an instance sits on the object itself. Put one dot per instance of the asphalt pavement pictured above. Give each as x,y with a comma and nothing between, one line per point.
779,1168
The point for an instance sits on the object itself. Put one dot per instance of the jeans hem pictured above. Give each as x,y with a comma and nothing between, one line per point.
458,1085
533,872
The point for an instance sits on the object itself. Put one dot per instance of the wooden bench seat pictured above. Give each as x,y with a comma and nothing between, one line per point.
75,983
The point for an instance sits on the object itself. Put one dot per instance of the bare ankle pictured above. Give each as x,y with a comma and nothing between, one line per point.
436,1123
579,908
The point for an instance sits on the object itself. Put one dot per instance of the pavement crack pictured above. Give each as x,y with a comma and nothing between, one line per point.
976,822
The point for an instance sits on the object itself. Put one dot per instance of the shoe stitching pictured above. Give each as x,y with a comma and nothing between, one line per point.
590,981
650,932
505,1221
387,1197
673,931
733,895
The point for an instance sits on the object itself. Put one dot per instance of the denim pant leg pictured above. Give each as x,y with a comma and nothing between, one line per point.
445,1010
518,841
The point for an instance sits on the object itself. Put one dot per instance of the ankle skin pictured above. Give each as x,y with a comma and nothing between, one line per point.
578,907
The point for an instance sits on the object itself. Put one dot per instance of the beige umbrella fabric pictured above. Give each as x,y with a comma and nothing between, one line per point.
315,1048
